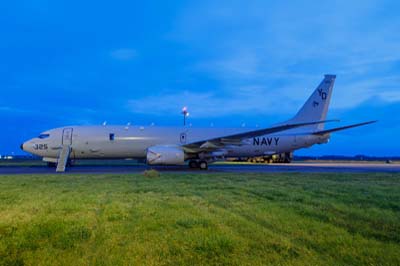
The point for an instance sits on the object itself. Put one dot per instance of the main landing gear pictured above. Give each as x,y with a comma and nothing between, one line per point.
51,165
202,165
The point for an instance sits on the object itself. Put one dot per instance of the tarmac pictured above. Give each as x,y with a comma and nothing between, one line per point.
213,168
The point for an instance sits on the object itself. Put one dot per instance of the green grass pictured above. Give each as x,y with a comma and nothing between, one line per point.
200,219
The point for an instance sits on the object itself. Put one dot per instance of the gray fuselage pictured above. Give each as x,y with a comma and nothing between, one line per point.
120,142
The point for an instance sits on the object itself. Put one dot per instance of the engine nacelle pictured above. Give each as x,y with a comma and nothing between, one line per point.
165,155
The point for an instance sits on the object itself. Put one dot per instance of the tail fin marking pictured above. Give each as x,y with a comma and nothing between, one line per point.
316,107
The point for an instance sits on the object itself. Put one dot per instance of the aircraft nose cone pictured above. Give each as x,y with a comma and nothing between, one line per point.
22,146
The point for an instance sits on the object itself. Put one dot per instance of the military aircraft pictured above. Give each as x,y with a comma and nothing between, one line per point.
197,146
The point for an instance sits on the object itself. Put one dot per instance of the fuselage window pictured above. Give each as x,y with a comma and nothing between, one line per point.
44,136
112,136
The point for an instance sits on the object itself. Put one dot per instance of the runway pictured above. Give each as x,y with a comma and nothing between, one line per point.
213,168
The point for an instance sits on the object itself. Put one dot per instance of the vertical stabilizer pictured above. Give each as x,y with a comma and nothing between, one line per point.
316,107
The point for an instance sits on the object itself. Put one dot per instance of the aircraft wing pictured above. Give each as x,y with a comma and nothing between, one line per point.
237,139
323,132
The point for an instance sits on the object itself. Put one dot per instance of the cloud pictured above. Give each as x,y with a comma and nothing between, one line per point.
280,56
264,100
390,96
350,93
248,100
244,64
124,54
15,110
260,39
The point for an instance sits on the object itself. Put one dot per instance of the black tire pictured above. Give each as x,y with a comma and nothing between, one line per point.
203,165
51,165
193,164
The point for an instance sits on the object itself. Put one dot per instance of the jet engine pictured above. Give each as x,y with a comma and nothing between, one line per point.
165,155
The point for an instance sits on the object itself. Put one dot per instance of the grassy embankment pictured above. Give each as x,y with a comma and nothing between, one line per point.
201,219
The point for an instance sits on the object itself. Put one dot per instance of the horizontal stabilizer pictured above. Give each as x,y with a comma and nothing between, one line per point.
342,128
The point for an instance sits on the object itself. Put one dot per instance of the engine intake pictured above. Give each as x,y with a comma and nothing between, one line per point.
165,155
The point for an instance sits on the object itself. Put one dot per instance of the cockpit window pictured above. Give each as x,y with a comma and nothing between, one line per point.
44,136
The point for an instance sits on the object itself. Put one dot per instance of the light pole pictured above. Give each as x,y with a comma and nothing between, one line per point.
185,114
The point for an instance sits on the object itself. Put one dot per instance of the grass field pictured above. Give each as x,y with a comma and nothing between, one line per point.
201,219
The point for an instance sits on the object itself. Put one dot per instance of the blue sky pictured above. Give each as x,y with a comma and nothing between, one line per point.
231,62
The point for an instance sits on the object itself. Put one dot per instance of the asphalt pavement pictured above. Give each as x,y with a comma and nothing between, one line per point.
213,168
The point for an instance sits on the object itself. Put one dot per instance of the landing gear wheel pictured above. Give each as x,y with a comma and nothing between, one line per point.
51,165
203,165
193,164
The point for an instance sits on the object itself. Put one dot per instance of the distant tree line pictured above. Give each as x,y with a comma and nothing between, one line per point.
359,157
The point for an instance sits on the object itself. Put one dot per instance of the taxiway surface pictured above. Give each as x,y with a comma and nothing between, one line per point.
214,168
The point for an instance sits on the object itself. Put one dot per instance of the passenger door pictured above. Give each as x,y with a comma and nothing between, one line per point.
67,136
